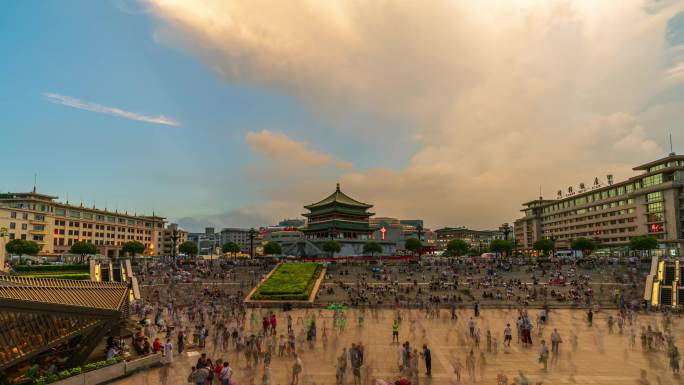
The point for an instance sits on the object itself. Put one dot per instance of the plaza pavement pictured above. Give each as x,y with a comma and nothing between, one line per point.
599,358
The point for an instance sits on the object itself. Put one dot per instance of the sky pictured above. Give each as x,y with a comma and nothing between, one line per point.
237,113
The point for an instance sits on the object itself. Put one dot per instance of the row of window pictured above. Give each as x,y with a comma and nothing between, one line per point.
605,194
674,163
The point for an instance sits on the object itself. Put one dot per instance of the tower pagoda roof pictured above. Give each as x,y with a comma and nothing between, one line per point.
338,197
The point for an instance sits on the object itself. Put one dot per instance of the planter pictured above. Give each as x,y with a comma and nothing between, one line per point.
74,380
105,374
144,362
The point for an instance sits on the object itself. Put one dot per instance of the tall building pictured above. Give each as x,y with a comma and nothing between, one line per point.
166,239
476,239
238,236
652,202
55,226
208,242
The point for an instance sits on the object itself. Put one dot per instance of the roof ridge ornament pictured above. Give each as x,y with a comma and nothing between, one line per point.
338,187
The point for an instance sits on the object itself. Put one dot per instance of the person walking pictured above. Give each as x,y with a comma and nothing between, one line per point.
555,341
508,335
225,374
590,316
296,369
543,354
471,327
395,331
427,355
674,359
168,352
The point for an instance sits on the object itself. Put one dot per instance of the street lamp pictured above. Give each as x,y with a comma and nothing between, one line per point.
252,234
174,239
505,229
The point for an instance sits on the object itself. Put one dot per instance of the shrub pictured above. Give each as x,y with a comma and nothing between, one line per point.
73,276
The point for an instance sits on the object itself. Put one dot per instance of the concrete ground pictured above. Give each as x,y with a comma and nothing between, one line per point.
596,358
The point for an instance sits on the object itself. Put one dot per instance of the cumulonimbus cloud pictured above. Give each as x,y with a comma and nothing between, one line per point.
279,147
114,111
502,95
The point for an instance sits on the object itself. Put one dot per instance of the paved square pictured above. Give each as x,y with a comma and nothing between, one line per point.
597,357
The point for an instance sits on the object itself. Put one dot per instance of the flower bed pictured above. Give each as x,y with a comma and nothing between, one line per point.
82,267
76,371
74,276
290,281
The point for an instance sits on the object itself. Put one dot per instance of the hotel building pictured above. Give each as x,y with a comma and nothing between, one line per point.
55,226
651,202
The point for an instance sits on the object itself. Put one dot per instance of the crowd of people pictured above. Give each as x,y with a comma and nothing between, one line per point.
200,309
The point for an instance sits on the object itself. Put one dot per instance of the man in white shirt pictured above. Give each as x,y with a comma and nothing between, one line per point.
555,340
543,353
226,374
508,335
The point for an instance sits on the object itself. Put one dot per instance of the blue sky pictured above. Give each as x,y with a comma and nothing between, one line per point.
104,52
417,108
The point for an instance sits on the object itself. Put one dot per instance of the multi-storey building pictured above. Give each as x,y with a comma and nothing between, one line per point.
238,236
55,226
166,239
651,202
14,224
476,239
208,243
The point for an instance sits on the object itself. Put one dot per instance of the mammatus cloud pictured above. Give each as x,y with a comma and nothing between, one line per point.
95,107
279,147
503,95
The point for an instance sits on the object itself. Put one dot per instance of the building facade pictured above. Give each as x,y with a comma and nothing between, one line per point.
476,239
208,243
56,226
651,202
238,236
166,239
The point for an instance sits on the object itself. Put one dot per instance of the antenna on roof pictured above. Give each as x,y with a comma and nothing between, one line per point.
35,174
672,153
540,194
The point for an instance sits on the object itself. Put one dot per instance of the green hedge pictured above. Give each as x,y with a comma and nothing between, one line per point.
76,371
50,268
290,281
73,276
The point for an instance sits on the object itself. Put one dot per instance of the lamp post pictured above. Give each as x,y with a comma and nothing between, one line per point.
505,229
174,241
252,234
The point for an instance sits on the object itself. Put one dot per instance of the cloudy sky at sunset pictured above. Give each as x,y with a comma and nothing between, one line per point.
237,113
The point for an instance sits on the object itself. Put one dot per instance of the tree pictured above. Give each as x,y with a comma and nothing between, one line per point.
585,245
230,247
20,247
83,248
456,247
372,247
643,243
15,247
544,246
132,248
474,252
413,245
332,247
501,246
273,248
188,248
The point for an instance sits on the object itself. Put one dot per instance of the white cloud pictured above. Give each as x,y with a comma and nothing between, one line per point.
95,107
503,95
279,147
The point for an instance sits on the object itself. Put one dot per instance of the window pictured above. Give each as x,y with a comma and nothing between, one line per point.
621,190
39,227
74,214
24,215
39,217
611,192
111,219
655,217
629,188
655,228
654,197
37,237
61,212
657,167
43,208
24,226
88,215
652,180
13,225
604,194
100,217
656,207
13,214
